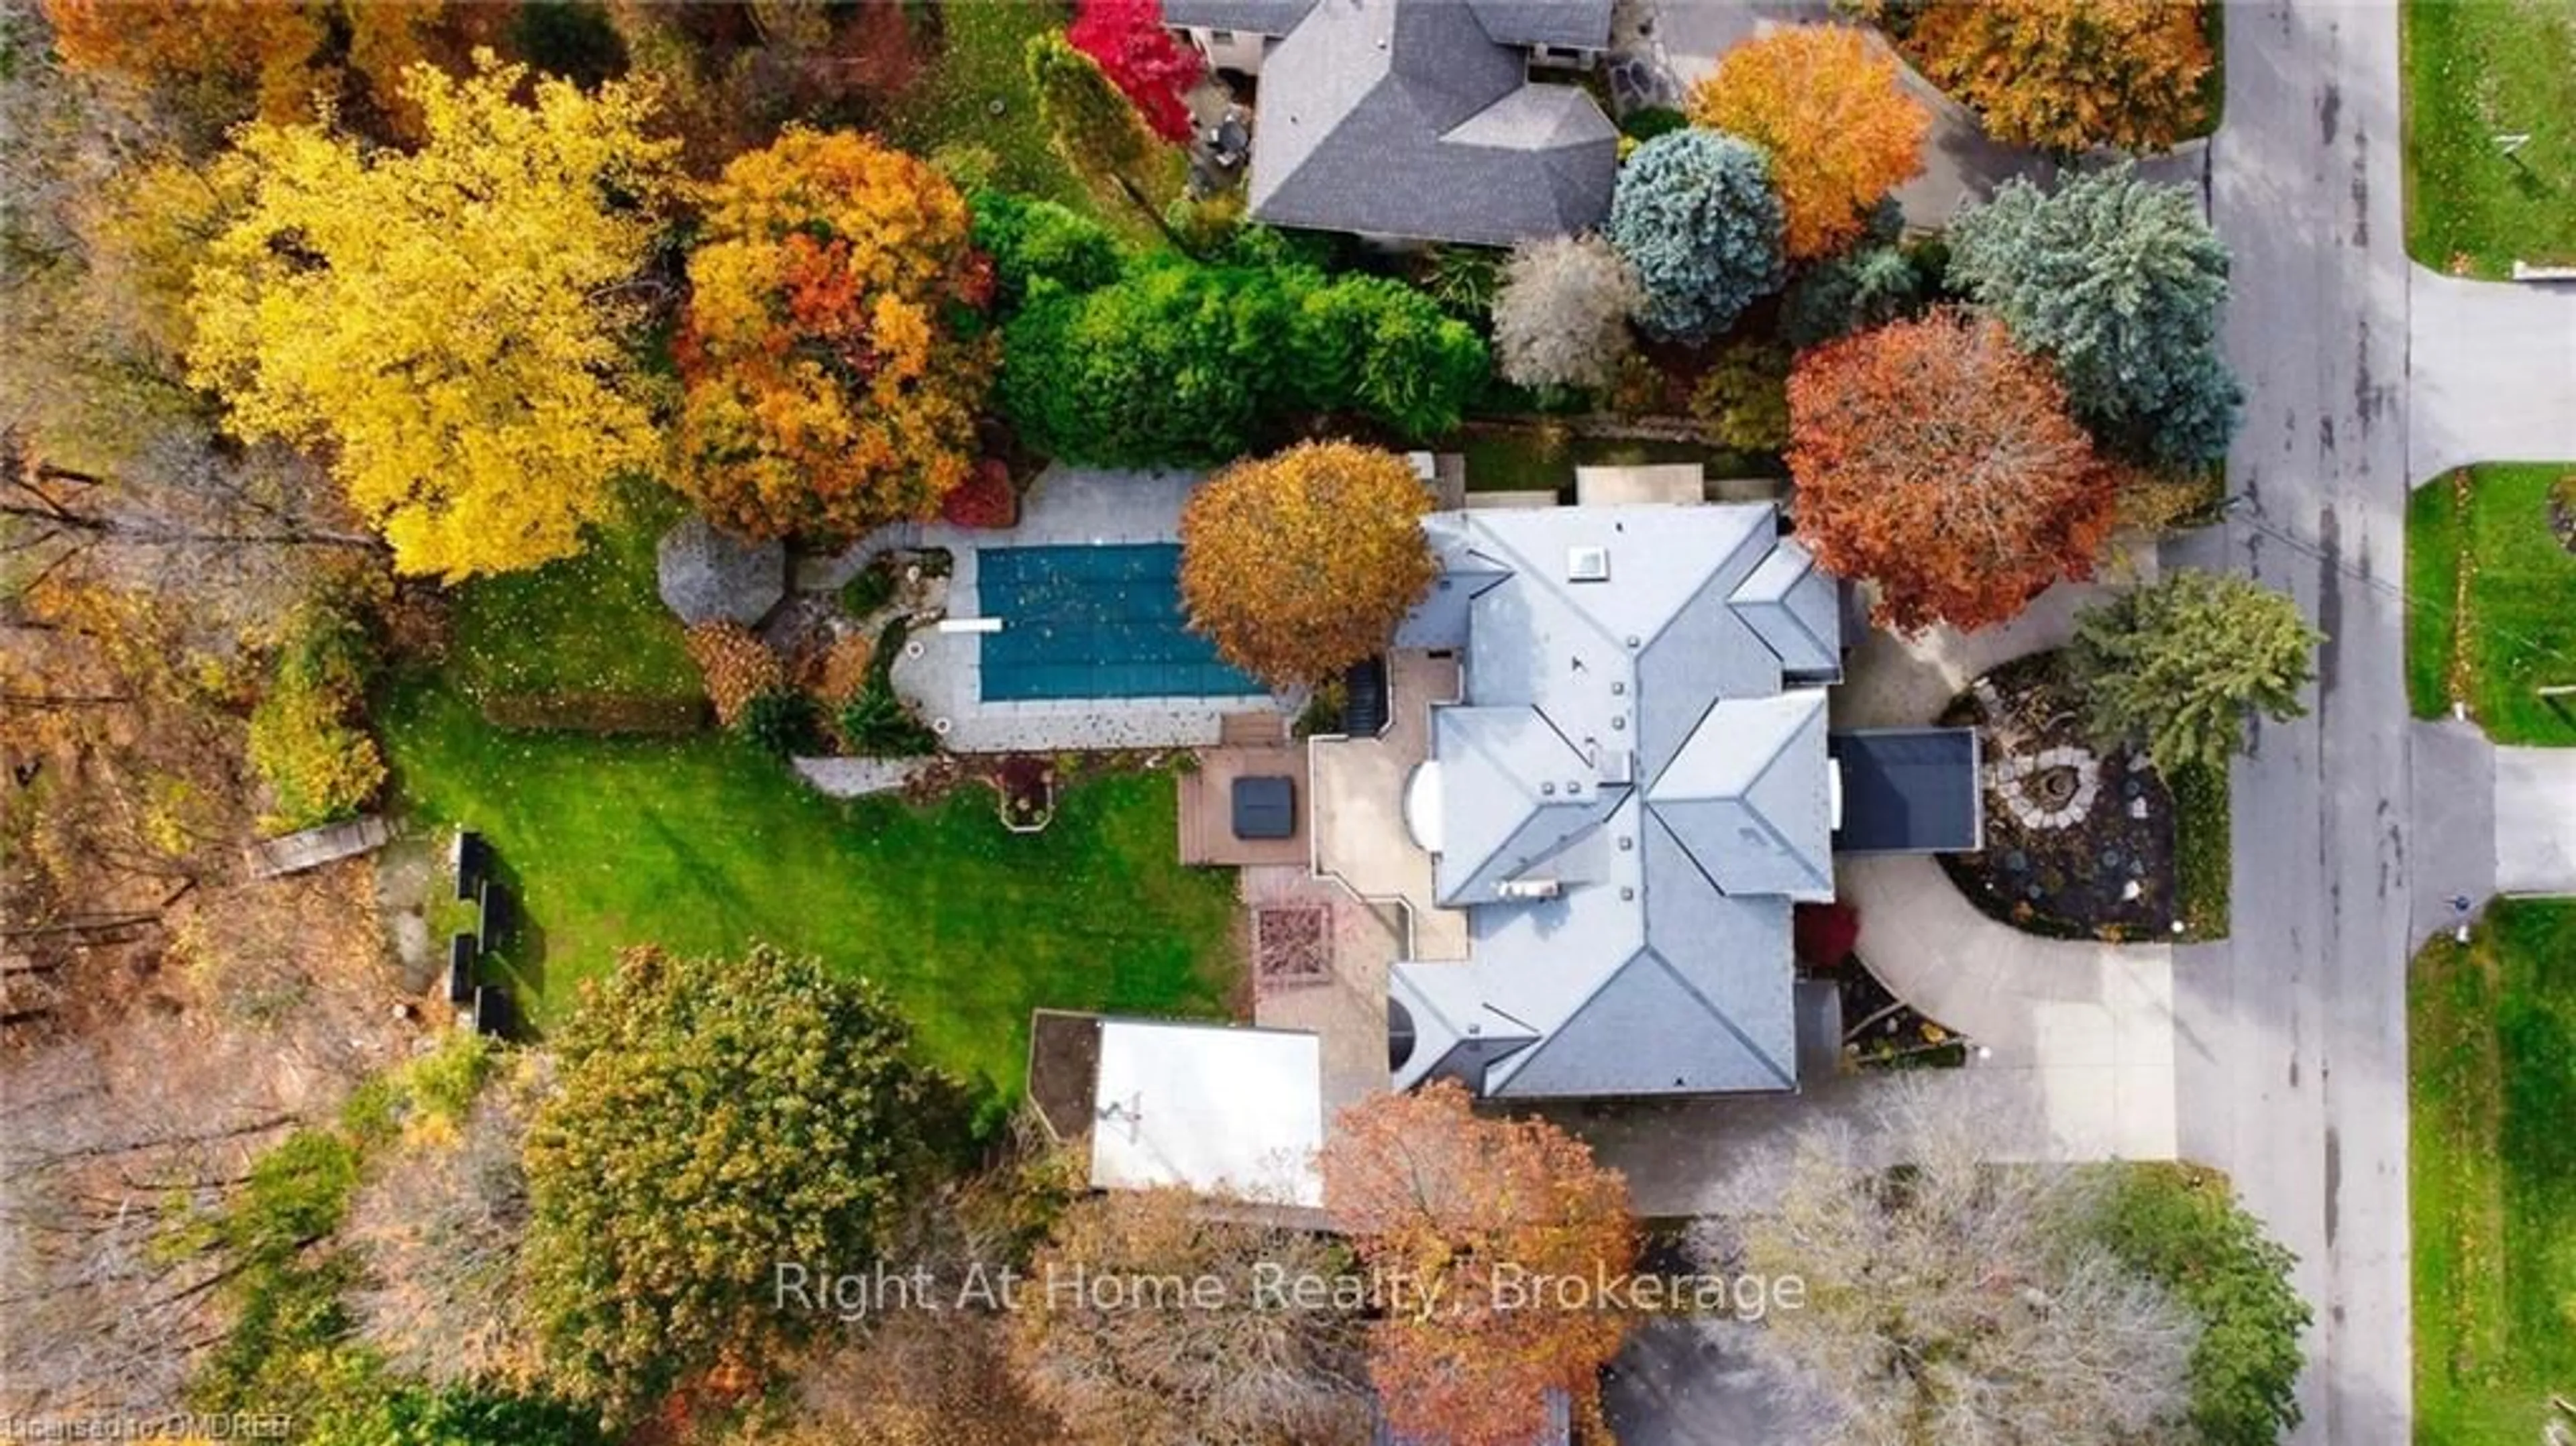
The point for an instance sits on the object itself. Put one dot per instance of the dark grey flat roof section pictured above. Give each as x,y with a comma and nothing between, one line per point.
1265,807
1909,791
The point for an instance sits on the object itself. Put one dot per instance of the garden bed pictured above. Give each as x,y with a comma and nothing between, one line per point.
1881,1031
1026,789
2080,841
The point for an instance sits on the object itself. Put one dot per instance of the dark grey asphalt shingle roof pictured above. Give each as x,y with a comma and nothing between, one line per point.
1909,790
1408,118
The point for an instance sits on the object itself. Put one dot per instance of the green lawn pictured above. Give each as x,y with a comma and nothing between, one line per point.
2475,70
2492,1038
978,64
589,624
2514,630
702,846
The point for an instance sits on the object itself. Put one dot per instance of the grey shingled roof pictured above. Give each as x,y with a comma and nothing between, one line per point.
709,576
1409,118
1250,17
1635,746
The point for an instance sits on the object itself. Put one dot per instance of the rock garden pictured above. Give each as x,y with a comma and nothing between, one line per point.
2079,838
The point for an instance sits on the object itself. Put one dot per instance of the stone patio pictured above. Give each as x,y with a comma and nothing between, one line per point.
1207,795
1347,1008
1358,805
940,669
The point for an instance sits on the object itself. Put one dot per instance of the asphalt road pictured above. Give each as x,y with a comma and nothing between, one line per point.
2291,1044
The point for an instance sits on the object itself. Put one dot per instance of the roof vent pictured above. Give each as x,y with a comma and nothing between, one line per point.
1587,564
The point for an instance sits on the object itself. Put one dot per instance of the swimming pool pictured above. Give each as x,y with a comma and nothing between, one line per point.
1093,622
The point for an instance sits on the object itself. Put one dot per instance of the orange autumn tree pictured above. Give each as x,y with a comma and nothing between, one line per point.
2068,75
1938,460
1299,565
219,60
833,354
1436,1196
1828,105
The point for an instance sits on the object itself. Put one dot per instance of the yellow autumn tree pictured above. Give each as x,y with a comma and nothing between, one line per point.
448,322
1299,565
2069,75
834,351
1829,106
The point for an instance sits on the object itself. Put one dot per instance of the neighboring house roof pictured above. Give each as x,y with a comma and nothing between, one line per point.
1417,119
1246,17
1629,798
1218,1109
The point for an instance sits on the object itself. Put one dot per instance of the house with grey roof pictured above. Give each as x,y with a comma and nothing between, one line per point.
1418,120
1626,800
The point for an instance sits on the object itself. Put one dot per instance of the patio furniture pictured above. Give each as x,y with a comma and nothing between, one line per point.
1265,807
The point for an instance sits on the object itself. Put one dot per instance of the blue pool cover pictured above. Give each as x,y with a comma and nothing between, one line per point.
1093,622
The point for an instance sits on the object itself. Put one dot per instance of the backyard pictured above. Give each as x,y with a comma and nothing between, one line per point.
2488,580
2478,73
2492,1034
699,843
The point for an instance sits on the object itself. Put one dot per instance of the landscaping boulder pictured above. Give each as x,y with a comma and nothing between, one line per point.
708,576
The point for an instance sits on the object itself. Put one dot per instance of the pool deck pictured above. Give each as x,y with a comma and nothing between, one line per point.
941,673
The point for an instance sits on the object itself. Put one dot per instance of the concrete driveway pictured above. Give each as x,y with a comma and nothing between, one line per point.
2535,820
2079,1032
2491,373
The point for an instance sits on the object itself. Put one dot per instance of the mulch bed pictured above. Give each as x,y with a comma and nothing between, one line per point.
2068,854
1881,1031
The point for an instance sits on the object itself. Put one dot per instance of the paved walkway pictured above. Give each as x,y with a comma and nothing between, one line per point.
2491,373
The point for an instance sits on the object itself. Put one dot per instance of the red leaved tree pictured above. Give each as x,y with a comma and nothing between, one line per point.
1470,1214
1937,460
1151,68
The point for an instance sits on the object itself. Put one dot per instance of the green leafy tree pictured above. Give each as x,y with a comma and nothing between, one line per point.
1852,292
1744,398
2120,282
1096,128
2180,665
455,1417
2183,1226
1180,362
1170,365
1368,344
1302,564
716,1116
1039,248
1694,213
